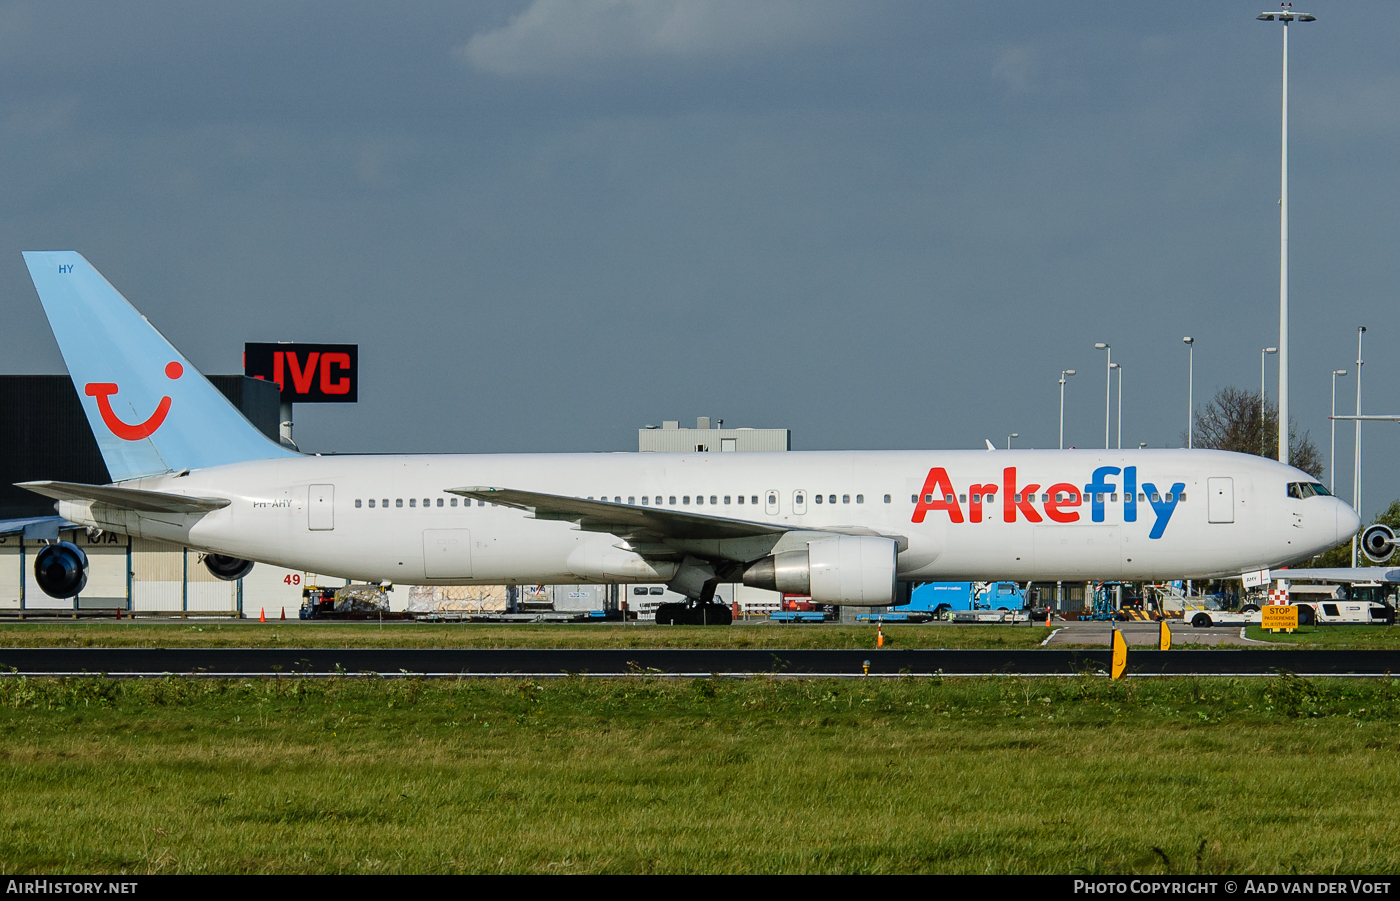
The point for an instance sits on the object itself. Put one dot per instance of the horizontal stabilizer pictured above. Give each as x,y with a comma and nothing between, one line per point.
126,498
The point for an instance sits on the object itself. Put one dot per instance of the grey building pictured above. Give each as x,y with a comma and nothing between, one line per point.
672,439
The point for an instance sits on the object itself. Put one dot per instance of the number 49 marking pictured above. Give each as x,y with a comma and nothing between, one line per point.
293,579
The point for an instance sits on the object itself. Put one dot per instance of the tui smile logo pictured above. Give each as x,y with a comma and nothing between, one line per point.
103,392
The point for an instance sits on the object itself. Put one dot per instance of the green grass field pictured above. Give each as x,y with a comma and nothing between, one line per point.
1075,775
1333,637
207,634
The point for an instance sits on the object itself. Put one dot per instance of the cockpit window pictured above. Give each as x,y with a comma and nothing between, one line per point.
1302,490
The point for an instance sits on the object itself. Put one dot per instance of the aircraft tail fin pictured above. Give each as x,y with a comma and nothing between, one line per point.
150,410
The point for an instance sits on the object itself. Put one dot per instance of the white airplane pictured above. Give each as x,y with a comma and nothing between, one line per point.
846,527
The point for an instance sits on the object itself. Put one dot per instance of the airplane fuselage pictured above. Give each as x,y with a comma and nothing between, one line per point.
1017,515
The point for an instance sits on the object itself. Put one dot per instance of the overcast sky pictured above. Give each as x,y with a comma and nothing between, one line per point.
882,225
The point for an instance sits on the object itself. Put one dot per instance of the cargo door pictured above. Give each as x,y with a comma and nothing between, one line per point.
320,509
1220,501
447,553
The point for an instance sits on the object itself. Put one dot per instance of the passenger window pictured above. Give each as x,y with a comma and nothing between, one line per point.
726,498
977,498
845,498
398,502
887,498
454,502
385,503
962,498
357,503
641,591
699,499
833,499
1181,497
685,500
413,502
439,503
371,503
741,499
658,591
1156,498
658,500
644,500
818,498
947,499
754,500
632,500
673,500
712,498
860,498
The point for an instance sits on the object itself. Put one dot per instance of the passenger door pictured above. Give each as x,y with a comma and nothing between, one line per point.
1220,499
320,509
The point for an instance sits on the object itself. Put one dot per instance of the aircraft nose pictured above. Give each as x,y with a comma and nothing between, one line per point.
1348,523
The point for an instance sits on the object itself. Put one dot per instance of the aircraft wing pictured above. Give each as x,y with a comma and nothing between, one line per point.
1339,574
624,520
37,526
126,498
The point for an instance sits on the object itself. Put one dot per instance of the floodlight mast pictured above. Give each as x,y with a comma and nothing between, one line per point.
1286,15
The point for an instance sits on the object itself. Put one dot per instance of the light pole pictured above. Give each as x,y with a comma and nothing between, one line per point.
1009,437
1107,392
1119,367
1263,397
1332,460
1356,470
1063,373
1286,15
1190,388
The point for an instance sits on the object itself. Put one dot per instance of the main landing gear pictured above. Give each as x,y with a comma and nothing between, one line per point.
694,614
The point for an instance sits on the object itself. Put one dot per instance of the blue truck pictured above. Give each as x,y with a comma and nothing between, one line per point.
943,600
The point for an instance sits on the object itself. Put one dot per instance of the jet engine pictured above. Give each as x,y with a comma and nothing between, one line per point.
1378,543
61,569
229,569
843,569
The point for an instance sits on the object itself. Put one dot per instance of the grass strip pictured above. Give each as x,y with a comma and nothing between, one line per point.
1075,775
141,634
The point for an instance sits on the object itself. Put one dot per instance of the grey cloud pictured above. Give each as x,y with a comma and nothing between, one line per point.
553,37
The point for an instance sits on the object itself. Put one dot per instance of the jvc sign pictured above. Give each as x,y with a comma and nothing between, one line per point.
307,373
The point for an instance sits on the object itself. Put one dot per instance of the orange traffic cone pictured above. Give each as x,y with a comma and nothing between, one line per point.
880,635
1047,617
262,617
284,612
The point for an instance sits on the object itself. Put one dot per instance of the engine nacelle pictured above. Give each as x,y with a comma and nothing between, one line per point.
230,569
844,569
1378,543
61,569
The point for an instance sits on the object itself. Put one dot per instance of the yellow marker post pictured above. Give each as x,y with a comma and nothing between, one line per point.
1164,638
1120,655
